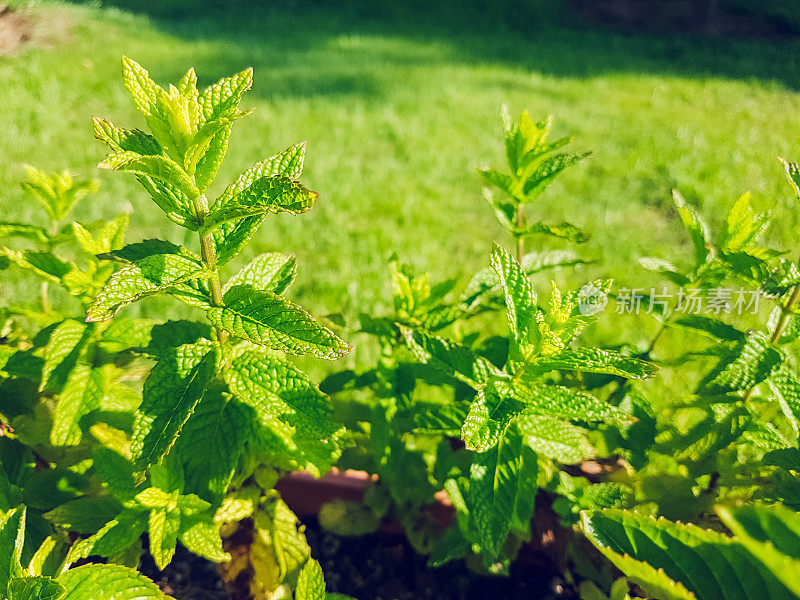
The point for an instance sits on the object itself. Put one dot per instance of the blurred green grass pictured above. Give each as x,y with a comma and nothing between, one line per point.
399,107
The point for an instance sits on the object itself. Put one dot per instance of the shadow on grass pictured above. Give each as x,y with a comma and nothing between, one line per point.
324,41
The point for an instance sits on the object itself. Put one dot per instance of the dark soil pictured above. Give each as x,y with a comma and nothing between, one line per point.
376,567
385,567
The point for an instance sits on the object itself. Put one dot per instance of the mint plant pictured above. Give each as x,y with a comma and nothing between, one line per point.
515,402
65,398
220,389
177,429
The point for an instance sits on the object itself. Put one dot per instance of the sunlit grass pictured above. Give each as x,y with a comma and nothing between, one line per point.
397,116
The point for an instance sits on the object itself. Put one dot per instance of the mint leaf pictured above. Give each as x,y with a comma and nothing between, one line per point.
117,535
593,360
698,232
561,402
202,538
152,266
500,483
171,392
272,272
555,438
271,320
310,582
163,528
107,582
218,427
62,352
488,418
264,195
278,388
83,393
35,588
232,236
520,298
12,538
450,358
224,95
746,364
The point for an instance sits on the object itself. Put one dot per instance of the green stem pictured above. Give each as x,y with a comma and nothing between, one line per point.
44,292
520,223
209,255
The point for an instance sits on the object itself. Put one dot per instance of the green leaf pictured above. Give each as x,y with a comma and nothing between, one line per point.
785,387
125,140
23,230
83,393
435,417
153,266
310,582
594,360
163,528
746,364
225,94
272,272
232,236
500,481
35,588
115,536
561,402
698,232
741,226
218,427
665,268
486,282
708,564
555,438
57,192
274,386
450,358
203,538
271,320
172,390
520,298
116,471
265,195
792,173
654,582
488,418
284,549
50,267
563,230
713,327
107,582
62,352
161,168
86,515
12,538
537,180
105,239
144,90
772,535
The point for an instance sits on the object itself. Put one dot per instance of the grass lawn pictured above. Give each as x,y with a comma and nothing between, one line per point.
399,109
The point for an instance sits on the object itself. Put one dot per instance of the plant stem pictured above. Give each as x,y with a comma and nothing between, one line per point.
209,256
520,223
780,327
786,312
45,297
